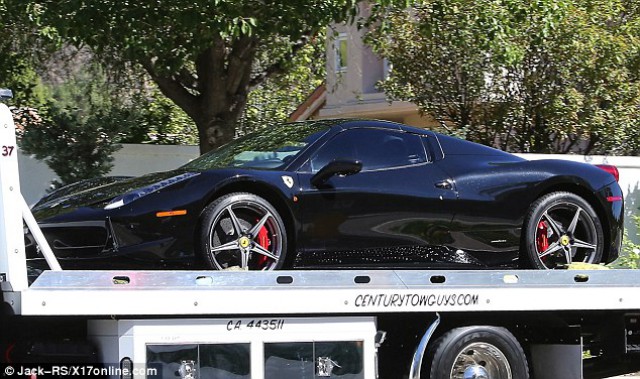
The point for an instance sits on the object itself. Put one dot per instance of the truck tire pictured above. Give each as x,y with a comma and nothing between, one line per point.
476,352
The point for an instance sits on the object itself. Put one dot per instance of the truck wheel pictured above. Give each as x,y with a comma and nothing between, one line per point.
479,352
242,231
562,228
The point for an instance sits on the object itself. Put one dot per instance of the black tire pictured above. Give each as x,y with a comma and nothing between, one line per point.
482,350
559,229
242,244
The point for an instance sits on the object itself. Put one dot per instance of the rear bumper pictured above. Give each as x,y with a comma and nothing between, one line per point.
612,206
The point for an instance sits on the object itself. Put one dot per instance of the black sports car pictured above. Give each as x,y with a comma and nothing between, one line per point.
341,193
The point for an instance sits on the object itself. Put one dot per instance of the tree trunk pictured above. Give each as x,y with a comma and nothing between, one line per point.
215,95
215,130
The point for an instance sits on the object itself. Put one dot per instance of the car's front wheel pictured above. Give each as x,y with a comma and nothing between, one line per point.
562,228
242,231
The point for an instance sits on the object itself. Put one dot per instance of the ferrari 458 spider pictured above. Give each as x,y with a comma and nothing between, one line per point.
341,194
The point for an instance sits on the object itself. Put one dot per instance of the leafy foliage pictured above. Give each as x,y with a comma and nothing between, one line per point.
277,97
78,128
630,257
22,46
205,55
124,107
75,148
543,76
158,121
76,133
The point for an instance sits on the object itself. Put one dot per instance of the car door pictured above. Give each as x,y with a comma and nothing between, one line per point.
390,213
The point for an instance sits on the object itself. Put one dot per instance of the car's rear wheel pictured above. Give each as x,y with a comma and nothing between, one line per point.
242,231
562,228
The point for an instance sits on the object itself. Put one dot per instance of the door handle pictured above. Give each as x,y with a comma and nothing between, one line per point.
445,184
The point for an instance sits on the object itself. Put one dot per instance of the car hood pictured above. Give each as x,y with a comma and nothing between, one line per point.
99,195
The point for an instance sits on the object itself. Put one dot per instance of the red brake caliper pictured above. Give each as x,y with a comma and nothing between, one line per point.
264,241
542,241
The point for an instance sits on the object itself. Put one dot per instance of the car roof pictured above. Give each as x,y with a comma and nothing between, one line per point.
353,123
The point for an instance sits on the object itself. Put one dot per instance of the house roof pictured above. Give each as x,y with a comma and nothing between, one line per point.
311,105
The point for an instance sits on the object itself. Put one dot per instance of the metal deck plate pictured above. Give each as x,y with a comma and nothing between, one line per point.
325,292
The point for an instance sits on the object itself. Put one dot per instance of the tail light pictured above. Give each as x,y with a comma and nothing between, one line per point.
8,352
613,170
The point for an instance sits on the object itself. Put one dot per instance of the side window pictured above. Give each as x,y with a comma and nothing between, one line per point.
375,148
341,50
431,147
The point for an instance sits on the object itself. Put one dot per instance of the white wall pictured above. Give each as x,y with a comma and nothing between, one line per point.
35,177
131,160
135,160
352,92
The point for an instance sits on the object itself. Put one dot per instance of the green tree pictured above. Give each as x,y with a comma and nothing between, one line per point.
277,97
22,46
630,255
68,111
204,55
159,121
74,147
543,76
77,130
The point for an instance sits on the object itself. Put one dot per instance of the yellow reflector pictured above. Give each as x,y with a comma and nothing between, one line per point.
510,279
179,212
586,266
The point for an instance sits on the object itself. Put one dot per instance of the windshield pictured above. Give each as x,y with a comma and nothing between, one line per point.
270,148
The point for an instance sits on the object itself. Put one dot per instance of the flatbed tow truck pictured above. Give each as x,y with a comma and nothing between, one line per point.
389,324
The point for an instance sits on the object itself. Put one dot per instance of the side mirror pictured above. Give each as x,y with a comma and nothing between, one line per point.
336,167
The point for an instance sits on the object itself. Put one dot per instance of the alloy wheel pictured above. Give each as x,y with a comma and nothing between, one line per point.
565,234
245,235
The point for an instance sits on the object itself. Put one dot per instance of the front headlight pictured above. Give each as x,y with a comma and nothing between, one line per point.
137,193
